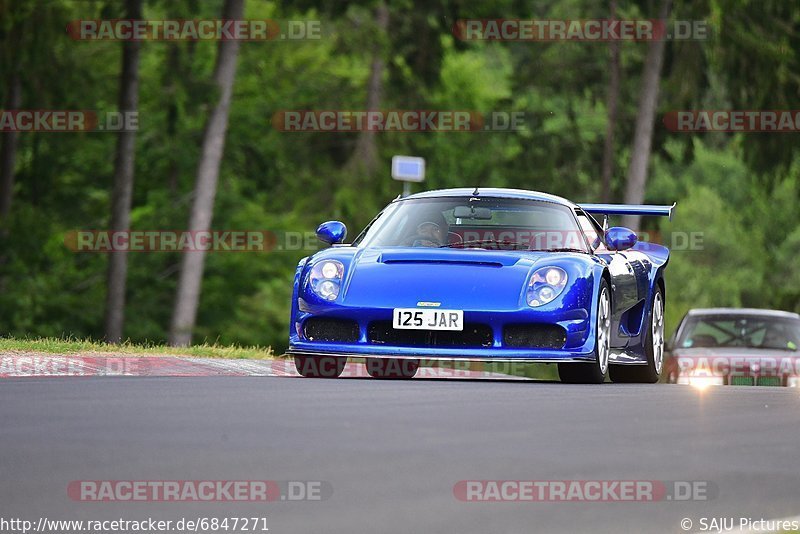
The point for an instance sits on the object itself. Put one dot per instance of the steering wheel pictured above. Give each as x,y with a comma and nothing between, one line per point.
409,242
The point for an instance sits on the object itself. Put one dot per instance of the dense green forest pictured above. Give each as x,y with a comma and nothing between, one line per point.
737,193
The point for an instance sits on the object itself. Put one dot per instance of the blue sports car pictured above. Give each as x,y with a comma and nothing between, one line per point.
484,274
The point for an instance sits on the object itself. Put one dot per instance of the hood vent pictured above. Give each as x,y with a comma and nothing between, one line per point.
450,257
448,262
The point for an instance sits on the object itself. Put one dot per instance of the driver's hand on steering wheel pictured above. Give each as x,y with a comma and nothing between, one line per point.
430,234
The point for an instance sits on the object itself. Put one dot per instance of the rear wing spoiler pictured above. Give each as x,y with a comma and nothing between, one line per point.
629,209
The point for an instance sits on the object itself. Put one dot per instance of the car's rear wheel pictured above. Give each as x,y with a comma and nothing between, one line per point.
391,368
654,349
320,366
594,372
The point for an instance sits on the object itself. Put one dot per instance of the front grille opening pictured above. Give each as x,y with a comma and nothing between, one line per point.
534,336
769,381
328,329
742,380
473,335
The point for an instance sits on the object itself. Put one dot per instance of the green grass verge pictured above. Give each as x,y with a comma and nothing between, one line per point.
74,346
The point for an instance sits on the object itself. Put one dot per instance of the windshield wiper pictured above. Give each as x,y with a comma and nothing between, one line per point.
465,244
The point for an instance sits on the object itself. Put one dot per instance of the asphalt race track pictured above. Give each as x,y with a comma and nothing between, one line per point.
392,451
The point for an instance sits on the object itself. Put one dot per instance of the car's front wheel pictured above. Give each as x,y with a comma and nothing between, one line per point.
594,372
654,349
392,367
320,366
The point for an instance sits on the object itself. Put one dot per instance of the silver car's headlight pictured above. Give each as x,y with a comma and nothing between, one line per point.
545,285
325,279
701,379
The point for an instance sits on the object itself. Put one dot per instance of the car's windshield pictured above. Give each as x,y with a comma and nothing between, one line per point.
468,222
740,331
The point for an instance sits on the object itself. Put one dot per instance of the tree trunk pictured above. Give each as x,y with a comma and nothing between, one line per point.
9,150
612,100
188,296
122,194
643,136
8,153
170,88
365,155
8,160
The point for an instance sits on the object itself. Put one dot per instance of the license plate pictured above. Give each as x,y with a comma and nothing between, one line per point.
416,319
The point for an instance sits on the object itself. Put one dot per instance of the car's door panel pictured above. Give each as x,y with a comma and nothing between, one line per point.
625,293
626,278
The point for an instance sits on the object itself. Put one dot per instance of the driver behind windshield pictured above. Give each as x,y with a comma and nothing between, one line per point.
430,230
429,234
776,338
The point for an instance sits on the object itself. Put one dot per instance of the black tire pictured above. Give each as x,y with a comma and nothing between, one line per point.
392,368
592,372
644,374
320,366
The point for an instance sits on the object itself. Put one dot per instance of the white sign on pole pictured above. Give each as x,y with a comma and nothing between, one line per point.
408,169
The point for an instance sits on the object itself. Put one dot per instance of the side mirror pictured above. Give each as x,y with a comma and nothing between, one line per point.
331,232
620,238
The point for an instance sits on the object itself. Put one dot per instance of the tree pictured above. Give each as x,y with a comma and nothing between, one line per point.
365,155
122,195
612,101
8,152
758,58
187,299
645,119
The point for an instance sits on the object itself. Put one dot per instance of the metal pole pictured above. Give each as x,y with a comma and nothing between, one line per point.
406,189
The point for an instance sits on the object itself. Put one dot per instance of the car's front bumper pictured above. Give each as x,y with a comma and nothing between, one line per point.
456,354
578,345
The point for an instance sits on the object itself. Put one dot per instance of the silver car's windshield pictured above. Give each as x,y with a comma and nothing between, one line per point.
749,331
485,223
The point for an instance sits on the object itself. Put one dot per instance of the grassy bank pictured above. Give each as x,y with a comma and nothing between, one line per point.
80,346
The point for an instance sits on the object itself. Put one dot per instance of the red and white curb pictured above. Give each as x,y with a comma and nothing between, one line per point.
21,365
46,365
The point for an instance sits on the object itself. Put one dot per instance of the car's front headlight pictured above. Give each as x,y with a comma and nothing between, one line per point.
545,285
701,379
325,279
